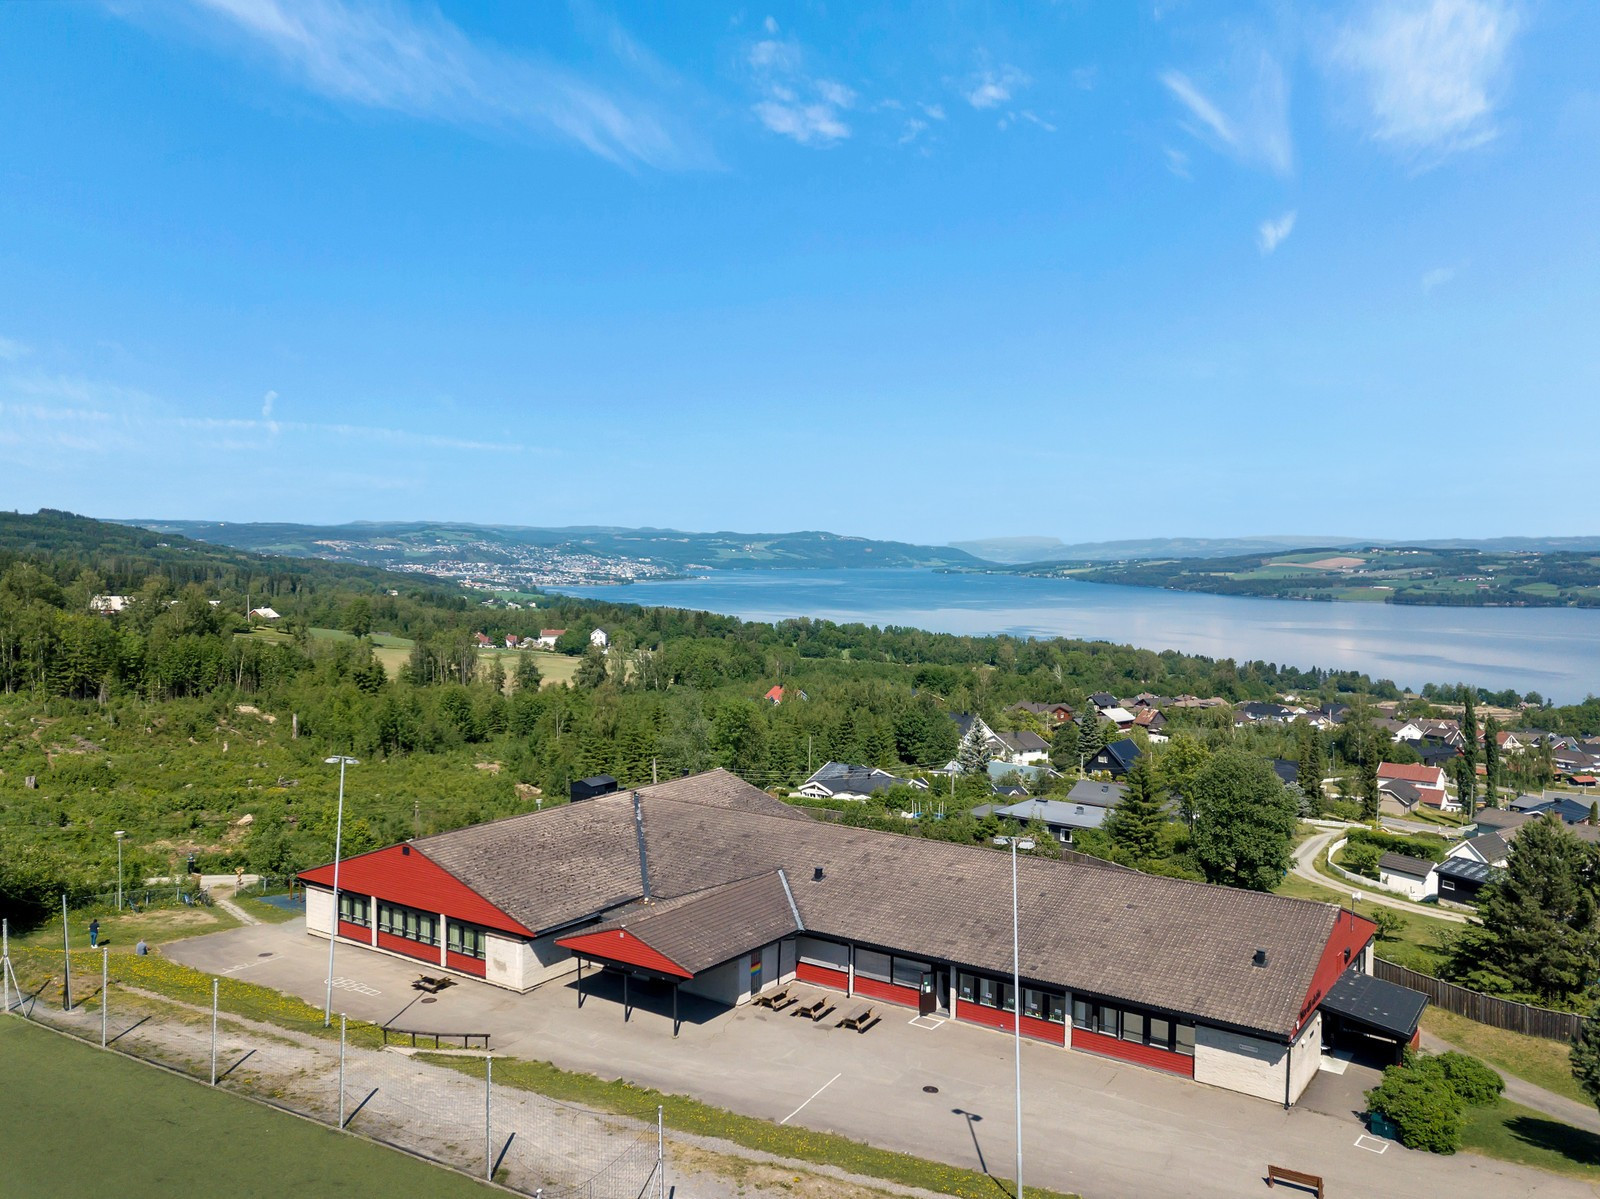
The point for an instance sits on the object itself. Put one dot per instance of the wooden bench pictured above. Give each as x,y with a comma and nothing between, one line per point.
1299,1178
860,1021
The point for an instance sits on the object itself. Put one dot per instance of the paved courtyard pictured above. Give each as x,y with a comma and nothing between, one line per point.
1091,1125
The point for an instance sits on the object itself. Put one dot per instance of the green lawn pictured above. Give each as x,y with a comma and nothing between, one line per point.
1533,1059
692,1116
83,1121
1513,1133
121,931
267,913
1417,937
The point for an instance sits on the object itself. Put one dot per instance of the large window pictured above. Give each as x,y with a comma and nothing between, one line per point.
355,909
997,993
885,968
823,953
465,939
397,921
1133,1025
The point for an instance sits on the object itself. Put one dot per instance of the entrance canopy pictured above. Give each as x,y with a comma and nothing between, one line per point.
679,938
1385,1008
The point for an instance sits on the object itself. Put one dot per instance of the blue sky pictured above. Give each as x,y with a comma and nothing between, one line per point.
1090,270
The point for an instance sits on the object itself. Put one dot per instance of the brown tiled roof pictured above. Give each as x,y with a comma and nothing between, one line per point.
1167,943
706,928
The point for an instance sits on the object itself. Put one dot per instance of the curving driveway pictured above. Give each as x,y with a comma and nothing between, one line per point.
1306,854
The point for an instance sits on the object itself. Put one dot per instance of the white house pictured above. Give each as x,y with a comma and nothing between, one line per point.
109,603
1412,877
598,639
547,638
264,614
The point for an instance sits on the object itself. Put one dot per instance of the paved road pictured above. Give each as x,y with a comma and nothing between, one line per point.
1091,1125
1311,848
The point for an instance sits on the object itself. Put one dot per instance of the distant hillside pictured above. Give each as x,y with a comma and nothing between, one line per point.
1047,551
596,552
1380,574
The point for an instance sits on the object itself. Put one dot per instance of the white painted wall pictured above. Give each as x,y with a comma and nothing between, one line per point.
1307,1057
319,911
520,964
1239,1063
729,984
1412,888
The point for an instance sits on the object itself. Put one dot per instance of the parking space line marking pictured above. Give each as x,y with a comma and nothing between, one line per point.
1382,1146
813,1095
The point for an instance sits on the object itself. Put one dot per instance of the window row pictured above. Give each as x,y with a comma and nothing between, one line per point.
1001,995
355,909
885,968
1130,1024
466,939
398,921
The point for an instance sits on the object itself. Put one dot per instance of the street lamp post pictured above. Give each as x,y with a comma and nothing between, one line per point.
1016,992
119,835
333,924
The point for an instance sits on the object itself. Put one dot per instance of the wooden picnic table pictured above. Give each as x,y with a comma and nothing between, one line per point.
860,1021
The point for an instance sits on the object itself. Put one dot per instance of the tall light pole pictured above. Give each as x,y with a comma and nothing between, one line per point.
333,927
1016,992
119,835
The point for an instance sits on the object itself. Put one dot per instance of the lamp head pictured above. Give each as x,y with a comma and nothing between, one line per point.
341,760
119,834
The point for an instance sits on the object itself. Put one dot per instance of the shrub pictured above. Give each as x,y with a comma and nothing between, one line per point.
1390,923
1419,1101
1475,1082
1361,859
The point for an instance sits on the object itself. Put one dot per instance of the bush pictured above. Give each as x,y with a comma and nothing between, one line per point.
1424,1108
1475,1082
1421,845
1425,1098
1390,923
1361,859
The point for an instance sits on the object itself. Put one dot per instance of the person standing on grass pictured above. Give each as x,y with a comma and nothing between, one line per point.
94,933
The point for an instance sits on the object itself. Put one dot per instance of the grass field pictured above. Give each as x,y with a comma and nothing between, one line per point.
394,651
1513,1133
1419,934
82,1121
1534,1059
121,931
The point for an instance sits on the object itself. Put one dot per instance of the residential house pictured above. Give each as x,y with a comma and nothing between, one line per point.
1029,774
482,640
1117,758
1447,732
1460,879
1153,723
1101,795
1257,712
513,641
1052,714
264,614
774,695
1412,877
1103,700
841,780
109,604
1118,716
547,638
1510,742
1403,795
598,639
1023,748
1287,770
1409,731
1437,754
1429,782
1489,848
1061,818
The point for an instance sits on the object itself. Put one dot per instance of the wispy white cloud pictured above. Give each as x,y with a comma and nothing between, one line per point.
414,61
1252,125
794,103
1271,234
992,88
1177,162
935,112
12,350
913,130
1429,71
1437,278
1035,119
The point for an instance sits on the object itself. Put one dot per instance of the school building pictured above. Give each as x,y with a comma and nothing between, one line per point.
709,885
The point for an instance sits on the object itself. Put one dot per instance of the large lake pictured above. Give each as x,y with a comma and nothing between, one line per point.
1555,651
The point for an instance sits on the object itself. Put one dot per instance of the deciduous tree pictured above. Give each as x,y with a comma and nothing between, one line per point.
1244,822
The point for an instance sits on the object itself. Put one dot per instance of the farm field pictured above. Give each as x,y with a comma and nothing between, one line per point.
85,1121
393,651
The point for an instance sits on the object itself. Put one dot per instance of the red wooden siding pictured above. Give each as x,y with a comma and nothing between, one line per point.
620,945
412,949
410,878
1350,932
888,992
356,932
1032,1026
1143,1055
822,976
465,964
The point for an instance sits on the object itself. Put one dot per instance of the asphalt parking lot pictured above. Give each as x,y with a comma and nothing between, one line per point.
1091,1125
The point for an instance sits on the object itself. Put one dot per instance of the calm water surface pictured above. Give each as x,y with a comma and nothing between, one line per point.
1555,651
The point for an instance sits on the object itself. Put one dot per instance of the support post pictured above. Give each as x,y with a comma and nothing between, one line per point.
105,984
488,1138
341,1071
625,1010
580,982
661,1150
214,984
66,959
1016,1005
675,1009
5,961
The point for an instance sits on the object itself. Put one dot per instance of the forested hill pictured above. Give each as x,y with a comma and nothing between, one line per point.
1385,574
387,544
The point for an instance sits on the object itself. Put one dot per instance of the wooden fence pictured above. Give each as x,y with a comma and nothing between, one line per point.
1485,1009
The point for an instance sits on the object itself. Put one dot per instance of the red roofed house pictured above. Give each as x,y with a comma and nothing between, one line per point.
774,695
709,886
547,638
1429,782
483,640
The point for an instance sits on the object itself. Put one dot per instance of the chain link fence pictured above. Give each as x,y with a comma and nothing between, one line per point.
345,1079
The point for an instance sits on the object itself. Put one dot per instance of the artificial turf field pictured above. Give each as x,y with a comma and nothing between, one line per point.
76,1121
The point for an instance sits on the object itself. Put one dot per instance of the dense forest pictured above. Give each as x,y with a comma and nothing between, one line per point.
197,730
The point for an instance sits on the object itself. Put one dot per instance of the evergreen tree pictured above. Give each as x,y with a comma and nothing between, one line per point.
1064,748
1244,822
1535,932
1135,824
591,671
1309,758
1091,732
1469,729
1491,756
1585,1056
975,753
527,674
